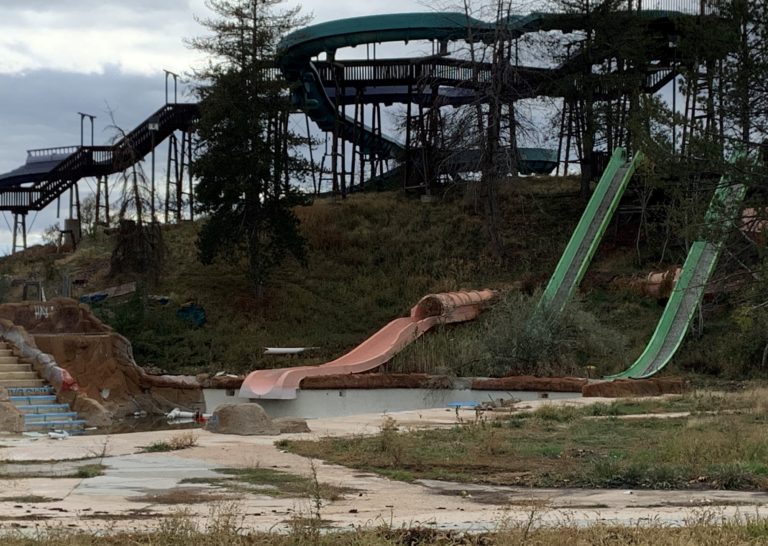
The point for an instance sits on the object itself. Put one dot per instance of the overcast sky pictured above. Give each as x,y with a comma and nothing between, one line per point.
58,57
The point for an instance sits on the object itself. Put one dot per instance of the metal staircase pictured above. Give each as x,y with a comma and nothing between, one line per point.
22,191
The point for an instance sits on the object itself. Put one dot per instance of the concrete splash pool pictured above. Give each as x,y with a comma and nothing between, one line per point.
323,403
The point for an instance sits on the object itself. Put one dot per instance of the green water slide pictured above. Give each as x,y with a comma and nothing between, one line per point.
689,289
589,231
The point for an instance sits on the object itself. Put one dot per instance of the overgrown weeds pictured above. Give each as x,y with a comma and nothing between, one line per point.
565,446
184,440
226,527
513,338
274,483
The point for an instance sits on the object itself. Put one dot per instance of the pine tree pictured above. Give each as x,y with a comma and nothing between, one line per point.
246,157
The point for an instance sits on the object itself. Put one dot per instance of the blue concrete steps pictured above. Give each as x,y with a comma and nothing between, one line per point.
43,408
74,425
30,391
31,396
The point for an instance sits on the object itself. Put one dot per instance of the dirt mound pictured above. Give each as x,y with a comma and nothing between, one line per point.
530,383
623,388
376,381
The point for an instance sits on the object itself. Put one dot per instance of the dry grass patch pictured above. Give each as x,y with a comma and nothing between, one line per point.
182,495
274,483
564,446
185,440
707,529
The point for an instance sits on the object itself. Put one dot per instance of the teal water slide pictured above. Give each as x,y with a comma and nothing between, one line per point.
296,51
589,232
689,289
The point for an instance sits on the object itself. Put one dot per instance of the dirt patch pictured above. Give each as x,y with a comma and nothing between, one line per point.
530,383
622,388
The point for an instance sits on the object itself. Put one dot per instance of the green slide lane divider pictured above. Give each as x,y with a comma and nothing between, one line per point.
586,238
689,289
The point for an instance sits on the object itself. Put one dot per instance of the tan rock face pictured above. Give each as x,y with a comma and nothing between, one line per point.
292,425
4,395
104,368
59,315
11,419
95,414
99,360
243,419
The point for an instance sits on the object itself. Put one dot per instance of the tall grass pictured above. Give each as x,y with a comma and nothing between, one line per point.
512,339
709,527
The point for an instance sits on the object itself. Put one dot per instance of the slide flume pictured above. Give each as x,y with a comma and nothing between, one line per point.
589,232
430,311
689,290
297,50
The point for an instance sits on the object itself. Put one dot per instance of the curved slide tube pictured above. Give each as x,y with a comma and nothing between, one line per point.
589,232
297,49
689,290
431,310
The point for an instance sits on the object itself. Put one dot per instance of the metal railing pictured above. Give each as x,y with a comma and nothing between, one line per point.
688,7
47,154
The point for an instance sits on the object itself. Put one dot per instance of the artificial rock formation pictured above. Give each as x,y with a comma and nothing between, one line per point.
242,419
292,425
66,342
11,419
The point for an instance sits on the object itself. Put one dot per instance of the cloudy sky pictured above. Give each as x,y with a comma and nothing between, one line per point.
60,57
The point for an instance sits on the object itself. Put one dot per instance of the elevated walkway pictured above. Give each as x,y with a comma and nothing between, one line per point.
48,173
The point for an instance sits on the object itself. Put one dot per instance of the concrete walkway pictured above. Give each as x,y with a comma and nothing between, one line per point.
122,497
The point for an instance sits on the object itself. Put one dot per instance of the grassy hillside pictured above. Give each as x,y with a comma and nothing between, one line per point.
370,258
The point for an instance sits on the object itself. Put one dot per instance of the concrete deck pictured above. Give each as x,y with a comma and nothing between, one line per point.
118,499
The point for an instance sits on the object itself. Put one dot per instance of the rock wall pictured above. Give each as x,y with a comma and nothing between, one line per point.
99,360
56,316
104,369
11,419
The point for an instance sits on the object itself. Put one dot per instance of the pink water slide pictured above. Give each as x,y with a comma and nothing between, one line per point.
431,310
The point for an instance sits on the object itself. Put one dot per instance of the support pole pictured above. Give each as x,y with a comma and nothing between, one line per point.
19,231
408,117
356,145
191,180
311,156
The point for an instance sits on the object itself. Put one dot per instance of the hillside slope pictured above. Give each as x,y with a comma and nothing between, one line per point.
370,258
